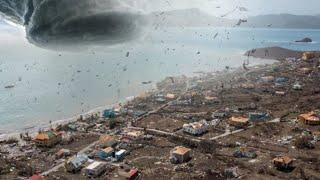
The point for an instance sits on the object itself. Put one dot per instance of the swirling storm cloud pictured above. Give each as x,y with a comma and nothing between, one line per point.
73,22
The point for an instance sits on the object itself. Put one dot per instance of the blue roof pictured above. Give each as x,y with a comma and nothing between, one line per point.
79,160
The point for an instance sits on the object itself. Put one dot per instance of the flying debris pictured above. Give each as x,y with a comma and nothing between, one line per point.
215,35
146,82
9,86
241,21
172,79
128,53
243,9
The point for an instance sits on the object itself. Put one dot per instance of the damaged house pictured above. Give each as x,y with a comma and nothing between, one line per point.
196,128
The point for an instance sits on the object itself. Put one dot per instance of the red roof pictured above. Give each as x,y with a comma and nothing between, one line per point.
133,172
36,177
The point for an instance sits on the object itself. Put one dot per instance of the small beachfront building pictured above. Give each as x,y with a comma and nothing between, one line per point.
47,139
95,169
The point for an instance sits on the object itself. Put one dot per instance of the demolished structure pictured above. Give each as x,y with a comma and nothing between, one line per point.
196,128
47,139
311,118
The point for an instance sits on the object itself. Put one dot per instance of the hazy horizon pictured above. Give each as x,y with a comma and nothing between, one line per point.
231,7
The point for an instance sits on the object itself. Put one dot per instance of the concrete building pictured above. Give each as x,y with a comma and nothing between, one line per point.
95,169
311,118
47,139
105,153
76,163
107,141
63,153
132,134
119,155
180,154
239,122
196,128
283,162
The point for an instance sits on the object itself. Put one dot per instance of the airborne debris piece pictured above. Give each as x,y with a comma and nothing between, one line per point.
243,9
241,21
146,82
216,35
9,86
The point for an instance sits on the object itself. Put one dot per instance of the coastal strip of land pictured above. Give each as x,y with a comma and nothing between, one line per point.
227,124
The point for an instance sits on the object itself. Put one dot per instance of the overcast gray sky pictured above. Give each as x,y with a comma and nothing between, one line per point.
255,7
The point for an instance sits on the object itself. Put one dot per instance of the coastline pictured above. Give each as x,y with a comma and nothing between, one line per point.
179,100
33,129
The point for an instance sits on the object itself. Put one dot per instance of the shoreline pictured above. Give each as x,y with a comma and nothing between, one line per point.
151,125
32,130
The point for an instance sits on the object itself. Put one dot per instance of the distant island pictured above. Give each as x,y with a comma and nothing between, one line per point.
195,17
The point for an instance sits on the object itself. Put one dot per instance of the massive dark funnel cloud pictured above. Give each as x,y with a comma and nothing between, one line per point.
73,22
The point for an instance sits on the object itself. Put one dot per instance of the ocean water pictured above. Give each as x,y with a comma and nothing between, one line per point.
55,85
